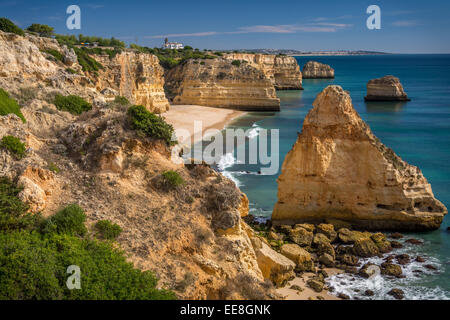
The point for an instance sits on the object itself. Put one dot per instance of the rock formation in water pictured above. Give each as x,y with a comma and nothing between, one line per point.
387,88
25,63
220,83
339,171
316,70
283,71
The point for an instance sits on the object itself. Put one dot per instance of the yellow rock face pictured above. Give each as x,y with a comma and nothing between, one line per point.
219,83
339,170
136,76
283,71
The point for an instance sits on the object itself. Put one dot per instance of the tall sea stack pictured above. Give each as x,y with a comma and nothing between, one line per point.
338,171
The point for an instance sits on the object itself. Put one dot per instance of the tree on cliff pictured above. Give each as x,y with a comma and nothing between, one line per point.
7,25
42,29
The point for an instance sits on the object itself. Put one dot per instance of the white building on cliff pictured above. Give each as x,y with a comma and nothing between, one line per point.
172,45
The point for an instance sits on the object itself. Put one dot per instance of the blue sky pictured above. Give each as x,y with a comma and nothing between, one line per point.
414,26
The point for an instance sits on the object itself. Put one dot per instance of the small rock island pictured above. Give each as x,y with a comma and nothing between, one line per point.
387,88
316,70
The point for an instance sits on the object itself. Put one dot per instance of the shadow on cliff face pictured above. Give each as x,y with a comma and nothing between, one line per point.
385,107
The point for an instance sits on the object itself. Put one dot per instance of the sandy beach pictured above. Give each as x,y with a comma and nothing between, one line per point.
307,293
183,117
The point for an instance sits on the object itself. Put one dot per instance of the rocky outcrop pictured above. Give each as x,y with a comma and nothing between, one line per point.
316,70
274,266
283,71
21,58
137,76
219,83
387,88
25,63
339,170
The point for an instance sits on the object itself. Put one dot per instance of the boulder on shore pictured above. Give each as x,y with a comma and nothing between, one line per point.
387,88
317,70
338,169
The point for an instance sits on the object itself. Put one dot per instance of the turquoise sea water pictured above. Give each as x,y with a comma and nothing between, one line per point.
418,131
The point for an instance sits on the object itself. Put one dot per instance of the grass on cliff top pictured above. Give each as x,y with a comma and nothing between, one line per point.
8,105
14,145
35,258
150,124
73,104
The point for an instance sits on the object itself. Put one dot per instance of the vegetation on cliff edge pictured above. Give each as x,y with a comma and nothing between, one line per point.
8,105
73,104
7,25
170,58
14,145
150,124
35,258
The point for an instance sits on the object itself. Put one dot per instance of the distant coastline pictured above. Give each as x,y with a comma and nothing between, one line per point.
297,53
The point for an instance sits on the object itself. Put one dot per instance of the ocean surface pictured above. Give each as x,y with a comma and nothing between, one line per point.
418,131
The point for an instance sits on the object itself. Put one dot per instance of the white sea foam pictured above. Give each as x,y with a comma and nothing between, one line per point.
226,161
413,285
254,132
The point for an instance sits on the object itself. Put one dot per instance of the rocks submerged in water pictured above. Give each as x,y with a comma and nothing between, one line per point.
387,88
317,70
403,259
414,242
343,296
391,269
338,169
369,293
397,294
420,259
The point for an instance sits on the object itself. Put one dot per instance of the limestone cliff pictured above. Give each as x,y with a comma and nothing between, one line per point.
316,70
387,88
219,83
25,64
137,76
283,71
192,236
338,170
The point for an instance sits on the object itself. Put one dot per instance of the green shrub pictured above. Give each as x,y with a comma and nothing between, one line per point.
53,168
55,53
171,180
236,63
33,264
14,145
150,124
73,104
13,212
108,230
71,71
121,100
42,29
69,220
7,25
86,62
33,267
8,105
